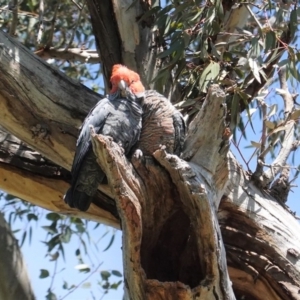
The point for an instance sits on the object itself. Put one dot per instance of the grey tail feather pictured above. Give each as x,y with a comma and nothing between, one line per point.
78,199
68,197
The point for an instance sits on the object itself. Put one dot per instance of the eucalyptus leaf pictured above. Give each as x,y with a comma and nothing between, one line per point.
44,273
273,110
295,114
270,124
255,144
209,74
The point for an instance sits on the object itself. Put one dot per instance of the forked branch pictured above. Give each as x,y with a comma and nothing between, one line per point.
264,179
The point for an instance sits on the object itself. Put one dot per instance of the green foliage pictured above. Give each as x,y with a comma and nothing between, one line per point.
198,51
104,282
60,230
195,53
61,25
50,295
44,273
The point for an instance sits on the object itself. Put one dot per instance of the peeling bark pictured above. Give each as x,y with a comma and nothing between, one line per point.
71,54
262,241
169,248
39,104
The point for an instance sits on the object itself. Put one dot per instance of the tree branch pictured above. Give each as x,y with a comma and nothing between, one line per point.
205,137
278,164
44,108
121,39
39,104
286,148
261,239
13,6
76,24
71,54
41,22
198,203
106,33
48,193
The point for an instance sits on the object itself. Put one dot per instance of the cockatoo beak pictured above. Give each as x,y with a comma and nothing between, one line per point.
123,86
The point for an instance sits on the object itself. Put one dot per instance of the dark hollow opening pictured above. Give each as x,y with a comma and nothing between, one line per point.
242,295
173,256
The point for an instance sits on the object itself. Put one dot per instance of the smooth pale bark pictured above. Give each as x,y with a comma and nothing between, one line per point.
14,283
121,39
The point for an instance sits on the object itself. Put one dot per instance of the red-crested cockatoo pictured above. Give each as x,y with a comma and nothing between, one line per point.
162,123
119,116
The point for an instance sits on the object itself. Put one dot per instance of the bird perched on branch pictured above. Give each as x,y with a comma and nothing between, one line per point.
162,123
119,116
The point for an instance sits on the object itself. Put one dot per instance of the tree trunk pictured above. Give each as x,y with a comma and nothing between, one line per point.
171,209
261,239
14,283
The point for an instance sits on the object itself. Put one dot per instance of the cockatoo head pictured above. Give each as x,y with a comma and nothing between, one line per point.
126,82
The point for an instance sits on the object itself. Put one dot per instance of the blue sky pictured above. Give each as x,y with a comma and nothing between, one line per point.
34,255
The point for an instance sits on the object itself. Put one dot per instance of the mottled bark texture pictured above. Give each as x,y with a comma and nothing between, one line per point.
14,283
261,239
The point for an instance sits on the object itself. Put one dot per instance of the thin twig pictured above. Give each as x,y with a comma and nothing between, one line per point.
287,144
14,22
77,5
81,282
41,23
254,17
75,28
233,142
271,146
21,13
244,129
53,276
249,3
51,32
72,54
259,166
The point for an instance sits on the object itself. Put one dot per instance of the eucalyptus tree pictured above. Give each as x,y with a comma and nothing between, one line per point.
198,226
